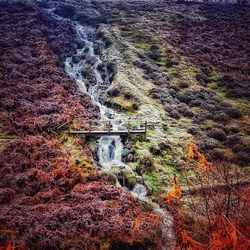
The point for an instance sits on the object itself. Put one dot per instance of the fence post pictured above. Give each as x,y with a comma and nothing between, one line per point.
146,128
128,125
109,126
89,126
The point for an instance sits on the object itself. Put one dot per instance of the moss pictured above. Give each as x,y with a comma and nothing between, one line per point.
129,179
134,165
154,181
220,90
141,40
168,156
243,105
125,176
76,153
171,71
125,104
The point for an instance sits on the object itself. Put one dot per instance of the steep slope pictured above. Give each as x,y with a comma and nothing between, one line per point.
50,194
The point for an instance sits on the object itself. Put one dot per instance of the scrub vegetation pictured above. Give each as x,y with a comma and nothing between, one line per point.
184,68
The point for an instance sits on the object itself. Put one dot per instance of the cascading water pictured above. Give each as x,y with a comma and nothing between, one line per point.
109,147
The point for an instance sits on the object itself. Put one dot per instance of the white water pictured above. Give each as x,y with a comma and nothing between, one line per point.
110,147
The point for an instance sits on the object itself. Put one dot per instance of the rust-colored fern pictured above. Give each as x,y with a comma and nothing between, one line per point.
175,192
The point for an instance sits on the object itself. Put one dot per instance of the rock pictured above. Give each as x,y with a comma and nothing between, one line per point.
145,164
98,47
76,59
130,157
79,43
149,188
129,144
88,16
125,152
109,177
127,178
114,91
91,61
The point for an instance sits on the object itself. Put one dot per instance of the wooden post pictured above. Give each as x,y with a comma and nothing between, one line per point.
89,126
109,126
128,125
146,127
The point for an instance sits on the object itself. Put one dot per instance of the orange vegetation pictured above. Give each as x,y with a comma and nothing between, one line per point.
213,218
175,192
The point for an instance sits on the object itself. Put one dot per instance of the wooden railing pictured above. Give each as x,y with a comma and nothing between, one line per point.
99,128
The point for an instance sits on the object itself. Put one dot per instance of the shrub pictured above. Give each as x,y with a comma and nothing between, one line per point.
183,85
217,134
194,130
217,154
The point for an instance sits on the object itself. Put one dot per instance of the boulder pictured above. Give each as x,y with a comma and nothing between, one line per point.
109,177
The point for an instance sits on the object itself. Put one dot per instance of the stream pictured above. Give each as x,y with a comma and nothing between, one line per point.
109,148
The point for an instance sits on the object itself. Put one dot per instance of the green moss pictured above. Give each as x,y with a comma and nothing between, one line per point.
129,178
171,71
220,90
154,181
243,105
76,154
124,104
141,39
168,156
133,165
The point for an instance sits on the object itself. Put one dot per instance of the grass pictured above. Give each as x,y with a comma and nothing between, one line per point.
124,104
220,90
77,154
154,181
141,40
5,139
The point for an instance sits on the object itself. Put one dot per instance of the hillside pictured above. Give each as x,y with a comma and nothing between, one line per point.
183,68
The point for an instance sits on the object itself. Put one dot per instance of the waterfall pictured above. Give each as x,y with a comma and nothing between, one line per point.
109,147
